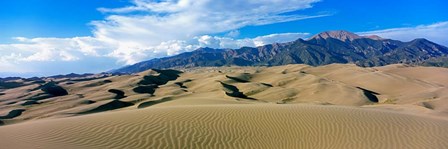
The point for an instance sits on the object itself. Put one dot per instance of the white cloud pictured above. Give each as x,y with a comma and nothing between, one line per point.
233,34
174,47
150,29
279,38
171,20
7,63
226,42
437,32
54,49
17,57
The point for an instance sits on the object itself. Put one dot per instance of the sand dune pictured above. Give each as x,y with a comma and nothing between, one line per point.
12,113
291,106
336,84
233,126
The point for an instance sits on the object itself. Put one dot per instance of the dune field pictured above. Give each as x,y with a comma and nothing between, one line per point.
291,106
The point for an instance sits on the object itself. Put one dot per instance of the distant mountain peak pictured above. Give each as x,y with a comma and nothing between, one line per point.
321,49
340,34
420,40
343,36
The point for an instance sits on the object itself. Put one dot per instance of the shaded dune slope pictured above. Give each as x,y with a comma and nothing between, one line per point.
396,88
291,106
13,113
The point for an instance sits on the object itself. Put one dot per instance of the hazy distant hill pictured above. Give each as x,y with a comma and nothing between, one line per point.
324,48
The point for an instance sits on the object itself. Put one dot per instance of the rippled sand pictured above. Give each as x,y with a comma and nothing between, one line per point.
292,106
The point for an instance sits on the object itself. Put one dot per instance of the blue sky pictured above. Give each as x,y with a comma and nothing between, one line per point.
50,18
99,35
360,15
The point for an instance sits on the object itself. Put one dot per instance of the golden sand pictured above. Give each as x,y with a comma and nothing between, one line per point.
292,106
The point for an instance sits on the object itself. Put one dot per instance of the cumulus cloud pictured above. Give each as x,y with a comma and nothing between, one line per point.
437,32
54,49
171,20
226,42
8,63
88,50
150,29
174,47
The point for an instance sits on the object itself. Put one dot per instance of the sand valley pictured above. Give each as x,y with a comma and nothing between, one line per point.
291,106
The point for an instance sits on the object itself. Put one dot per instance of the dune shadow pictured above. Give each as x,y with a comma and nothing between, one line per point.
12,114
10,103
371,95
29,102
119,94
427,105
146,89
53,89
164,77
150,83
237,79
10,84
50,89
233,91
268,85
181,83
154,102
114,104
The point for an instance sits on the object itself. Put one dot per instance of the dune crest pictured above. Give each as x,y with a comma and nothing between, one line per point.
291,106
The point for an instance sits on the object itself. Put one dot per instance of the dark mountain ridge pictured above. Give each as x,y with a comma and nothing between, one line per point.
321,49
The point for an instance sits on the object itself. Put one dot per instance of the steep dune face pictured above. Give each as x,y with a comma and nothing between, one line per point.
336,84
291,106
402,87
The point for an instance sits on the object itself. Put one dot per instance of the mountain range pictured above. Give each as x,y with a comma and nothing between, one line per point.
321,49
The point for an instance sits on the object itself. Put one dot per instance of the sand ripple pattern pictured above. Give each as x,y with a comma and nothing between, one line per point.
232,126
